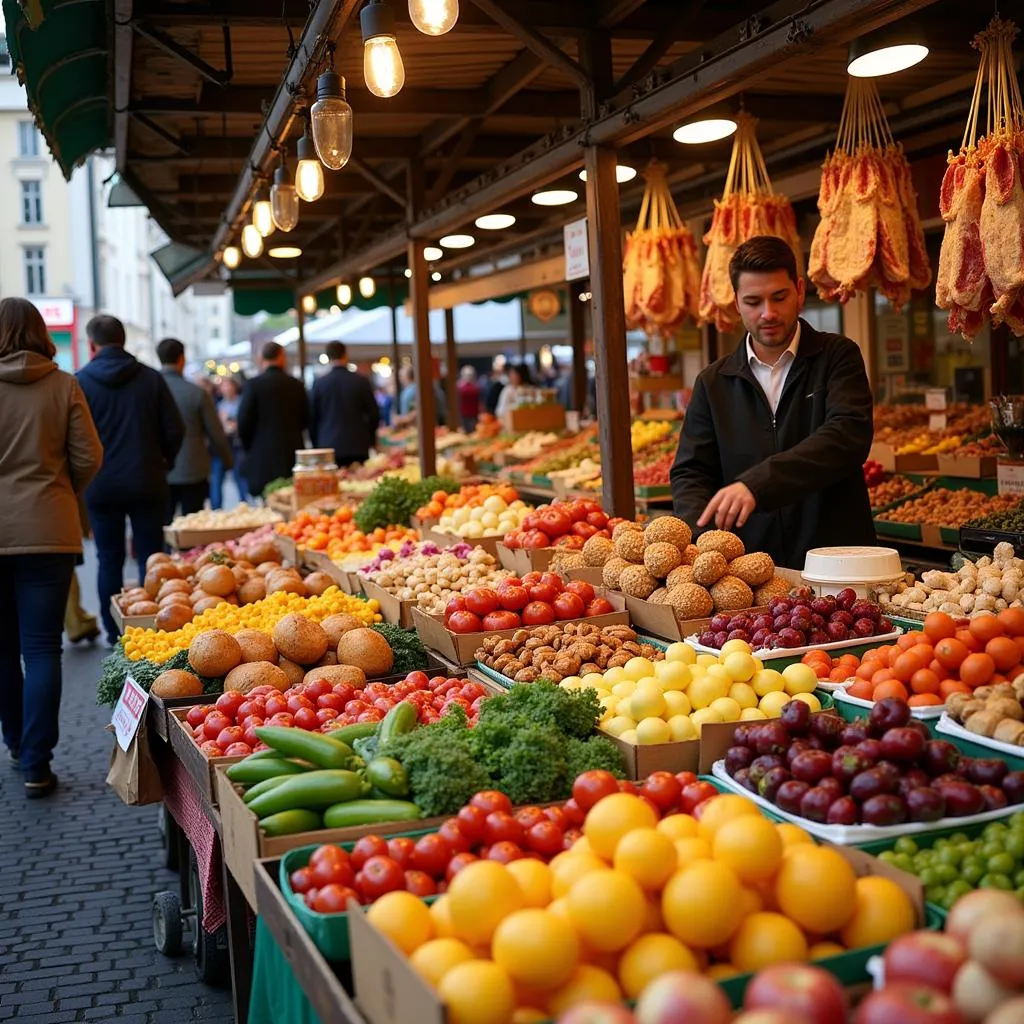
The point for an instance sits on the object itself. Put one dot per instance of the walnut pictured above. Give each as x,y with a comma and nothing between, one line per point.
566,665
619,659
650,651
534,642
584,650
520,636
526,657
619,633
589,666
631,647
544,653
490,643
505,646
526,675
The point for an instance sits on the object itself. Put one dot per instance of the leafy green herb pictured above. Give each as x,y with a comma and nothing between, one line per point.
410,654
277,485
117,666
394,501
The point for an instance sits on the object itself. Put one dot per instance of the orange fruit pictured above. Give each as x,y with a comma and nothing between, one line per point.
890,688
764,939
969,640
986,627
702,905
678,826
690,849
720,809
938,626
882,911
442,918
588,984
906,664
924,700
536,948
405,919
866,670
477,992
480,897
924,680
750,846
822,949
862,689
1013,621
647,856
612,817
883,675
792,835
534,878
948,686
977,669
1003,651
950,652
434,959
807,871
607,909
650,956
850,661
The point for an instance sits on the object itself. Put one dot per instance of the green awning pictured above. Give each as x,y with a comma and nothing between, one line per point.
60,51
250,301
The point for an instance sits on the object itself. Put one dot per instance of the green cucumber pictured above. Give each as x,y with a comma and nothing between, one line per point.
398,721
311,791
388,775
350,733
370,812
287,823
262,787
249,772
319,749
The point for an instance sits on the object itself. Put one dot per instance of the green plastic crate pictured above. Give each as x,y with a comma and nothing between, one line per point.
902,531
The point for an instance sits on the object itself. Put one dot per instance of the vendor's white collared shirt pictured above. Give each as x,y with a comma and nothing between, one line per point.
773,378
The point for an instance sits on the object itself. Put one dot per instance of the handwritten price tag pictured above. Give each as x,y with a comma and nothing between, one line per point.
128,712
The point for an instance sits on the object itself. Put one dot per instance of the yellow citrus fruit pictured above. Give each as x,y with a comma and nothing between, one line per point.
672,675
607,909
806,873
434,959
611,818
614,675
734,647
773,703
820,950
580,846
702,716
650,956
690,849
637,668
703,690
740,665
676,703
727,708
702,904
624,688
682,728
751,846
536,948
705,661
617,725
647,856
480,898
646,701
569,867
405,919
792,835
752,715
440,914
743,694
719,972
883,911
477,992
678,826
652,920
799,678
534,878
810,699
588,984
680,652
767,681
722,808
653,730
765,938
629,736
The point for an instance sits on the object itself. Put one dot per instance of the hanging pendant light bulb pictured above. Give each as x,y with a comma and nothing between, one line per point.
309,174
331,118
383,69
344,294
284,200
309,304
434,17
367,287
231,257
252,241
262,216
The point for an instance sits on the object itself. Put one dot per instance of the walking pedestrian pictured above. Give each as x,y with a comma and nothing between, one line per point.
227,410
188,482
142,432
49,451
272,420
468,391
78,623
343,412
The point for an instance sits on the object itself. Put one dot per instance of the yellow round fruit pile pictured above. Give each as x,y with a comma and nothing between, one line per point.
157,646
634,898
669,701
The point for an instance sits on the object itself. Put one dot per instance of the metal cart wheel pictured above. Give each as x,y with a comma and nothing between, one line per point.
210,952
168,923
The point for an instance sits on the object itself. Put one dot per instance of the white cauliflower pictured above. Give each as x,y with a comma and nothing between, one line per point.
1003,554
1011,587
967,603
992,585
983,562
985,603
938,580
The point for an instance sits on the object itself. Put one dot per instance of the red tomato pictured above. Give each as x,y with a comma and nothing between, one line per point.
533,576
471,822
570,542
694,795
229,702
501,619
554,521
501,826
545,837
249,734
457,863
456,604
481,601
662,789
356,707
400,850
379,876
301,880
569,837
538,613
554,580
276,704
214,722
197,715
471,691
576,510
593,786
211,748
568,606
420,884
597,519
574,814
316,688
451,834
534,539
599,606
625,786
252,706
297,701
334,869
545,592
305,718
325,715
686,778
464,622
384,704
367,847
331,700
505,852
584,530
431,855
239,749
370,715
529,816
284,719
489,800
581,589
345,691
513,598
558,816
513,539
333,899
230,734
418,679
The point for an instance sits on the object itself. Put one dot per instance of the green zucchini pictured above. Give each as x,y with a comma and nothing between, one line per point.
262,787
370,812
398,721
388,775
287,823
311,791
249,772
319,749
350,733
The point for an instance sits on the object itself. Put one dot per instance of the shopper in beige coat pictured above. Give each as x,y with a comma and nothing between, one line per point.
49,451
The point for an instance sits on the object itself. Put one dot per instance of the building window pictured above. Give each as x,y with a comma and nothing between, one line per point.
31,202
28,139
35,270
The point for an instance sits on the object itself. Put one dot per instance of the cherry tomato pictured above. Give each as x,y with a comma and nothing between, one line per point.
529,816
569,837
505,852
451,834
316,688
502,827
489,800
400,850
197,714
333,899
229,702
431,855
558,816
574,814
420,884
215,721
305,718
230,734
379,876
211,748
345,691
365,848
457,863
686,778
239,749
370,715
544,837
249,730
276,704
297,701
662,789
301,880
325,715
334,701
471,822
283,718
593,786
332,868
625,786
694,795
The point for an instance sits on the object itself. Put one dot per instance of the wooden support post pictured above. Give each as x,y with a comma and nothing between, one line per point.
396,359
300,319
452,363
578,340
422,357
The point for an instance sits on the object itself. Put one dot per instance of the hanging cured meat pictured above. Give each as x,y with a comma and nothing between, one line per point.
870,233
748,207
981,264
660,274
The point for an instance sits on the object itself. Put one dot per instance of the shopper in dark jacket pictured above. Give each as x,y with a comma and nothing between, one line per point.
272,419
141,430
343,411
776,434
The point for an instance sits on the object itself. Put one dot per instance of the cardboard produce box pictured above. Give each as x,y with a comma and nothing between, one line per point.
642,759
124,621
393,610
524,560
200,768
185,540
320,561
972,467
893,463
447,540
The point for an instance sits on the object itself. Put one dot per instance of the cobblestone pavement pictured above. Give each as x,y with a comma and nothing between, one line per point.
79,874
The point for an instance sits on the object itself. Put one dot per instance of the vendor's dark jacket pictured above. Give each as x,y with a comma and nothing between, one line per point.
343,414
272,419
804,465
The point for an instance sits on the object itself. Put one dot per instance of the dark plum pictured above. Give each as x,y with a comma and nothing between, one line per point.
833,786
904,744
848,762
740,622
800,622
763,622
771,642
790,638
864,628
888,713
721,623
866,610
790,794
925,804
796,717
962,798
759,639
737,758
842,616
817,621
742,735
917,724
815,804
828,727
817,637
721,639
847,598
884,809
795,748
739,634
986,771
871,783
742,778
811,766
769,785
780,605
892,771
843,812
884,626
760,766
995,798
872,749
854,732
823,605
940,757
780,622
771,738
913,779
837,632
706,639
1013,787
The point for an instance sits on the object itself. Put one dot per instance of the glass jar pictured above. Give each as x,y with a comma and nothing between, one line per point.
315,474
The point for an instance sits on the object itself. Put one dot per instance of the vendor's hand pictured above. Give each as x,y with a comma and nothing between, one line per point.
730,507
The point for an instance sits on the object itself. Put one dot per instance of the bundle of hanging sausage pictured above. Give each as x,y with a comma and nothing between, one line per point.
981,264
748,207
660,275
870,233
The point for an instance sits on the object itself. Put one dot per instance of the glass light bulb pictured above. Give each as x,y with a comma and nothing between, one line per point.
231,257
367,287
308,303
331,121
263,217
344,294
309,180
383,69
284,205
434,17
252,241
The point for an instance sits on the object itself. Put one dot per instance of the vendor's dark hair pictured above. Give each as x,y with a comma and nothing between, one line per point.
271,351
335,350
22,329
104,330
169,351
761,255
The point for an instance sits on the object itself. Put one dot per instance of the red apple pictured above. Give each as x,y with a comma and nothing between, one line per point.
770,1017
800,989
925,958
597,1013
902,1003
976,906
997,943
683,996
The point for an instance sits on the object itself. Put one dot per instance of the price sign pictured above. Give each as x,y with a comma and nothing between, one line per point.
128,712
577,256
1010,478
937,421
935,399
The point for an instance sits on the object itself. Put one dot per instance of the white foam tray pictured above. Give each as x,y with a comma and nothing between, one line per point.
927,713
779,653
851,835
950,728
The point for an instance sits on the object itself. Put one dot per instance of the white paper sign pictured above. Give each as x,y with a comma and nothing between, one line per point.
937,421
1010,478
128,712
935,399
577,256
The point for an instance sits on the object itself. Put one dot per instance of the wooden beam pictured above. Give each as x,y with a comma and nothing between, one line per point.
237,99
362,168
578,340
533,40
169,44
659,46
161,132
123,39
480,288
611,12
251,14
422,356
451,360
455,158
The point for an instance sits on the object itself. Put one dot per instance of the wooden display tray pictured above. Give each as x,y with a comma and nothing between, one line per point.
185,540
886,455
972,467
123,621
200,768
393,610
